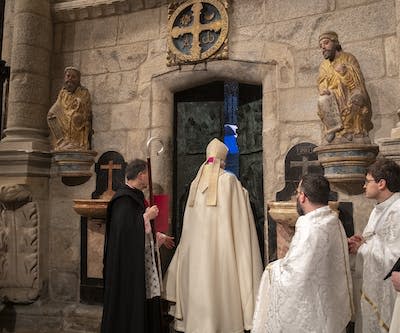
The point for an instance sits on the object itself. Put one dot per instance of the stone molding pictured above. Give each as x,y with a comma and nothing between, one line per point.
76,10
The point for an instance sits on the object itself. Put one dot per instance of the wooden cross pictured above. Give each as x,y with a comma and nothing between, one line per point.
110,167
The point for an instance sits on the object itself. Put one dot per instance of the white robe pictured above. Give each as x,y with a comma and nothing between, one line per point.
310,289
214,275
378,255
395,323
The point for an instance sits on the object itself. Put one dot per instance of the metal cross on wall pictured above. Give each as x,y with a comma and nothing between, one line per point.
110,167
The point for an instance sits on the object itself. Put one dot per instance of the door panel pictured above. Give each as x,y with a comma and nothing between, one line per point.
199,117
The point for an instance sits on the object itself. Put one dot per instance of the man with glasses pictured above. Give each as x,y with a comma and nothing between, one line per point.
378,248
309,290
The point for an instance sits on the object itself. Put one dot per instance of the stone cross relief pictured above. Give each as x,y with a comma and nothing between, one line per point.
195,29
19,245
304,164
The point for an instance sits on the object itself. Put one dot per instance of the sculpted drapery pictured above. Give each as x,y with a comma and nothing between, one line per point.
344,105
70,118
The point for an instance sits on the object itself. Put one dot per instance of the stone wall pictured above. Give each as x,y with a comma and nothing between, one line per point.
122,57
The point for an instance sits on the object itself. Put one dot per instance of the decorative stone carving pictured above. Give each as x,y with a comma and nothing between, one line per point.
198,31
345,110
345,164
70,123
343,105
19,245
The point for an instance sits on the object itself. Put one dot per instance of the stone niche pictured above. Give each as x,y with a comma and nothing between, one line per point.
19,245
282,213
110,170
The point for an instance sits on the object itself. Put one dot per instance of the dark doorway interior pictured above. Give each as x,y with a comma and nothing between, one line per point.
201,113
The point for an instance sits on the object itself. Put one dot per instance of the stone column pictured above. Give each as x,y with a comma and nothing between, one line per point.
390,147
25,145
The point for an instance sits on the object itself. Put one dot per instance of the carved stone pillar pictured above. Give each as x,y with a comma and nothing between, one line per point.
19,245
26,129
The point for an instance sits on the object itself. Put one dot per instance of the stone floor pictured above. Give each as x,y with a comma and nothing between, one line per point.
50,317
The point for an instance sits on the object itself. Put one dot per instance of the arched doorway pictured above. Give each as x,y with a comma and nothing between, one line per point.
202,113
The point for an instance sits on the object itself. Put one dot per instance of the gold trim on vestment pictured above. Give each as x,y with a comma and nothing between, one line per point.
375,308
347,269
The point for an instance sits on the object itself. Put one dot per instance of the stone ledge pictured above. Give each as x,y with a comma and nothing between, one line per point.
76,10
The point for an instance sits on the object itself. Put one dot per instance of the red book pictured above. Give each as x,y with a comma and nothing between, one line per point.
161,221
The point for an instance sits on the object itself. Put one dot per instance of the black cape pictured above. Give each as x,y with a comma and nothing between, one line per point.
124,308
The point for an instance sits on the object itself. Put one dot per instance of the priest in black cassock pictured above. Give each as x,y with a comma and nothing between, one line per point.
131,283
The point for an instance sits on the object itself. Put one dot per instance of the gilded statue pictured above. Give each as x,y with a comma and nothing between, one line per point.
343,104
70,117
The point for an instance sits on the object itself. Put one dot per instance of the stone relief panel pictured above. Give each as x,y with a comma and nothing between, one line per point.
19,245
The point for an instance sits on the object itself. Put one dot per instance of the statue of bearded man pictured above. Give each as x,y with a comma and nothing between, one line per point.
343,104
70,117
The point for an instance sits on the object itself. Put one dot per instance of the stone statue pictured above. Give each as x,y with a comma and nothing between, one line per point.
70,117
343,104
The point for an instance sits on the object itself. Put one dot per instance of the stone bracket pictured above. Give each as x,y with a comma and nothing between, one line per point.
345,164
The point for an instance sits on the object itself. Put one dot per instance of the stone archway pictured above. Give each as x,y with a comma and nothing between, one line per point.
165,85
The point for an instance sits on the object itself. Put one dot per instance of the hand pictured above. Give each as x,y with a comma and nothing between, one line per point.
341,69
396,280
165,240
354,243
151,212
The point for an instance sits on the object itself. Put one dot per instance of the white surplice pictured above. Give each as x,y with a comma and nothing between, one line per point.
395,323
214,275
377,256
310,289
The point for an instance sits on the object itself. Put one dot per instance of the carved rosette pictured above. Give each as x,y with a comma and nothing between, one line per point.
198,31
19,245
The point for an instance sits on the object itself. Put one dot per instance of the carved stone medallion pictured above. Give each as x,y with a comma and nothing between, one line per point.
198,31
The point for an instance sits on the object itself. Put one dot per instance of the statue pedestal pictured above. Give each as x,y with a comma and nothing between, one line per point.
390,148
345,164
284,213
74,166
91,208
